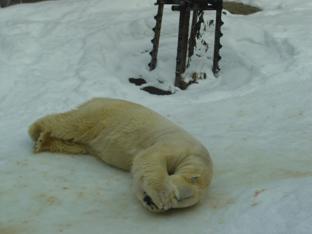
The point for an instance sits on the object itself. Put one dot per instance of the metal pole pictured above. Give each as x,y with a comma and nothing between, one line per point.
182,45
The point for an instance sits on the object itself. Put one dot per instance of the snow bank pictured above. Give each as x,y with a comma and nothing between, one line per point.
255,119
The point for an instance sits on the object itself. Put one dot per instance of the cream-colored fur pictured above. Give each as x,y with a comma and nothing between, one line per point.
170,168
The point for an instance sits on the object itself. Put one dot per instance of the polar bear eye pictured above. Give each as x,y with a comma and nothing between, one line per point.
194,179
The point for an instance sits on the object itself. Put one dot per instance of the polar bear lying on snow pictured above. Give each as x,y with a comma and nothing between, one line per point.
170,168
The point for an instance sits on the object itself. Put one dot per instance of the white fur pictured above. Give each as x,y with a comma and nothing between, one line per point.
169,166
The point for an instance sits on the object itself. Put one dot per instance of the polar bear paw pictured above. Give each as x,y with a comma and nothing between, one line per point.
42,143
159,198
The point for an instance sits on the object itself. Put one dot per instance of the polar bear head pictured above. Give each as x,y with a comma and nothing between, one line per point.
160,187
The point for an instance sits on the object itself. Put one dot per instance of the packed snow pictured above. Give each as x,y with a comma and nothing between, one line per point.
255,118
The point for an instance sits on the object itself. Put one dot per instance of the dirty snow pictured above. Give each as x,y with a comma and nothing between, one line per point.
255,118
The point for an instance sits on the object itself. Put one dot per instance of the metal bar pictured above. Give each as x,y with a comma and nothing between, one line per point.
152,65
192,40
178,2
194,7
169,2
218,35
182,46
6,3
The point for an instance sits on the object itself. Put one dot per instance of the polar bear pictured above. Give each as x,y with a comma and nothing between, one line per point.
170,168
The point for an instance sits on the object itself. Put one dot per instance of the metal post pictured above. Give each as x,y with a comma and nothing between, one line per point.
218,35
192,40
152,65
182,45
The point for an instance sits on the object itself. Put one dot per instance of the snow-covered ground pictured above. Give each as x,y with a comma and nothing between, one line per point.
255,119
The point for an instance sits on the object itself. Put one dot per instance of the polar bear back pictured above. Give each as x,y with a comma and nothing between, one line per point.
124,129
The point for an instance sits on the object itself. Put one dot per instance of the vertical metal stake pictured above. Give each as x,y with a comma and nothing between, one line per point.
152,65
182,45
218,35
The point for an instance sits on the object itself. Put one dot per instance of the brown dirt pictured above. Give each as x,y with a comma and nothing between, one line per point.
240,8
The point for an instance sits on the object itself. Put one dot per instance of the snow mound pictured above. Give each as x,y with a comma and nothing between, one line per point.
255,118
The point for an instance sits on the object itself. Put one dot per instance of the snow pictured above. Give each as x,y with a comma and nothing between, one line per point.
255,118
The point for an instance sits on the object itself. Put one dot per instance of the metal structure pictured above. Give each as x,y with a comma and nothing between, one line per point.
188,31
6,3
187,37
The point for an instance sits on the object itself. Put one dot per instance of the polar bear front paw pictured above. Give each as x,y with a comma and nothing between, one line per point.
149,204
159,200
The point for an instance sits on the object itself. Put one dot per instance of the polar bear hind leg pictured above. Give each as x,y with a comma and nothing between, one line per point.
58,133
47,143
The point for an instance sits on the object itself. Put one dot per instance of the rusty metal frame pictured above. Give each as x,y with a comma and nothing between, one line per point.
186,39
